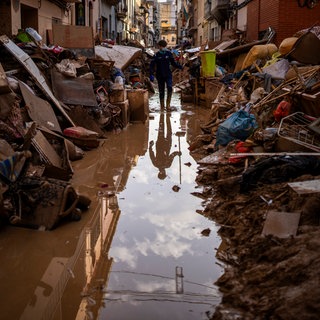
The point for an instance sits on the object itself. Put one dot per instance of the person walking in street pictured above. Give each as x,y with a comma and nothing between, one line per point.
161,65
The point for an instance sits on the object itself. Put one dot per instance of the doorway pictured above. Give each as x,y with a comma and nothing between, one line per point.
29,17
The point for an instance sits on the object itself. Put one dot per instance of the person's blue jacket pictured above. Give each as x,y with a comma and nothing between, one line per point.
161,63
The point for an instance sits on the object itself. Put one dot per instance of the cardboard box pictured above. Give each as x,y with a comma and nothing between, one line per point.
139,105
118,96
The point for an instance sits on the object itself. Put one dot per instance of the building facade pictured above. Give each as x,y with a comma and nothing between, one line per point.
148,21
168,20
285,17
208,20
115,20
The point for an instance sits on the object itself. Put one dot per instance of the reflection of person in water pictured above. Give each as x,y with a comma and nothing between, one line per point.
163,159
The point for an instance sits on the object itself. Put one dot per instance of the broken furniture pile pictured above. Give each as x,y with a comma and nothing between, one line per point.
54,105
270,106
259,158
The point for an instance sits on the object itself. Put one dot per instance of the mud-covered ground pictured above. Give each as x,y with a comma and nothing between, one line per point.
265,277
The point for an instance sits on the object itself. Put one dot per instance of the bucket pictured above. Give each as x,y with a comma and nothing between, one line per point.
208,63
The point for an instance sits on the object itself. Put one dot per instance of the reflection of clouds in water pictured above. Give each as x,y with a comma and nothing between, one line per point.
169,238
124,254
210,288
153,197
141,176
163,246
152,286
122,237
187,173
181,224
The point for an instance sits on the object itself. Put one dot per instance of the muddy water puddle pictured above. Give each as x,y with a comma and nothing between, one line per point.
138,253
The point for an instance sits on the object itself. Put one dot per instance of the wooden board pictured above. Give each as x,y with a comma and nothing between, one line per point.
69,37
281,224
39,110
305,187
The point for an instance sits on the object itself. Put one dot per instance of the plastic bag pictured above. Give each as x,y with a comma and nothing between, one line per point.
238,126
278,70
34,34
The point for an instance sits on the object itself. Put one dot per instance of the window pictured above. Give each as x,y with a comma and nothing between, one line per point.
80,14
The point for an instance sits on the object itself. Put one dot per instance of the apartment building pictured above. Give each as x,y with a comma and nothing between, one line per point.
117,20
168,20
209,20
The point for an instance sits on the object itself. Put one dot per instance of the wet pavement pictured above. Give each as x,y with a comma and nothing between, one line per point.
138,252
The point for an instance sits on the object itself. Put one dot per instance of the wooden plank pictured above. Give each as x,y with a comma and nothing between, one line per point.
281,224
73,91
47,153
69,36
305,187
38,109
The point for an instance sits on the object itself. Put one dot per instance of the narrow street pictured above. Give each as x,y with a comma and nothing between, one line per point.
112,207
140,251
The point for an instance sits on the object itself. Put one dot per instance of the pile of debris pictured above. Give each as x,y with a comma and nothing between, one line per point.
55,105
259,158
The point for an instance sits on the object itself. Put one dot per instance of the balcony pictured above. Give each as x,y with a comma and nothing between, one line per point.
121,15
207,9
220,9
122,11
220,4
192,27
63,3
112,2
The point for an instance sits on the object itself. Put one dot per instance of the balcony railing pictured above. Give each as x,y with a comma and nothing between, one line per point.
121,15
112,2
219,10
220,4
122,11
207,8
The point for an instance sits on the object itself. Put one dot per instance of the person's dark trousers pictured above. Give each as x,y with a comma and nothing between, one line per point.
162,82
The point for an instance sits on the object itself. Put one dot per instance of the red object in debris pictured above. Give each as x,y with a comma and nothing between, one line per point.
236,159
79,132
109,41
282,110
135,79
241,148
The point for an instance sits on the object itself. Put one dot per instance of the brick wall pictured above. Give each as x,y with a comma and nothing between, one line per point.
293,18
284,16
253,17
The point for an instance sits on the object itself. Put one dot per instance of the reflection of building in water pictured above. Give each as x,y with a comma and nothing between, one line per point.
97,262
111,163
60,282
191,123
